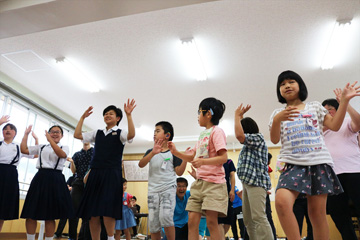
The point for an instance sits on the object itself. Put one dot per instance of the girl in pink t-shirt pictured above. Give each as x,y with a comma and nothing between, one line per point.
209,192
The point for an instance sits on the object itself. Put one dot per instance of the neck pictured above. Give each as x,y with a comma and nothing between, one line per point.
180,197
209,125
164,146
8,140
110,126
294,103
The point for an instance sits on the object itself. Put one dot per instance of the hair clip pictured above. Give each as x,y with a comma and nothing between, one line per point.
211,111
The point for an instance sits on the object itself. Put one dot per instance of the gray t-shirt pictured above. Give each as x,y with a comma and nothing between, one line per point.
162,174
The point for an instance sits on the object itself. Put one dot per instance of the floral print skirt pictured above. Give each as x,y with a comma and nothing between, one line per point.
310,180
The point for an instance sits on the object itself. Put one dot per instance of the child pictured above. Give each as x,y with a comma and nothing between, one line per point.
48,197
9,184
163,168
252,170
308,166
103,190
209,192
128,218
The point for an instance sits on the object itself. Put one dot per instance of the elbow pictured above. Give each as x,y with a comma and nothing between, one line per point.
274,141
241,138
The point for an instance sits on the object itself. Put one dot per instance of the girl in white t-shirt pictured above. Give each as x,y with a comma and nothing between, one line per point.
308,164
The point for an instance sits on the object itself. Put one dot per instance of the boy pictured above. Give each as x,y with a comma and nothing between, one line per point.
162,181
104,187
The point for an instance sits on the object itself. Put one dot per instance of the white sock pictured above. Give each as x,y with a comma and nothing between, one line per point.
30,236
49,238
111,237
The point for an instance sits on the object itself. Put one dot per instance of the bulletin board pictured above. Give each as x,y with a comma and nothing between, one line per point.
133,173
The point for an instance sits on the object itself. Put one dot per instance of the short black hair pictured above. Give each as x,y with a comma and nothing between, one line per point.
168,128
133,197
117,111
12,127
217,107
182,180
62,132
331,102
249,125
286,75
124,180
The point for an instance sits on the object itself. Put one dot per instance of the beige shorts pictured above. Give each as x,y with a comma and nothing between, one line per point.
208,196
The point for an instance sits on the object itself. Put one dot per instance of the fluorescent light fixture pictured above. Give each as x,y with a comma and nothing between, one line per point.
78,76
336,44
193,58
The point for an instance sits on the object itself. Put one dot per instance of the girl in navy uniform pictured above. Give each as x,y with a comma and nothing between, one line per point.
48,197
9,184
104,188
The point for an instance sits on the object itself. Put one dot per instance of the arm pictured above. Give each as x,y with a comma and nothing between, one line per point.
78,129
193,172
334,123
72,165
188,156
156,149
23,146
221,158
232,182
181,169
287,114
354,115
239,114
58,151
239,194
128,108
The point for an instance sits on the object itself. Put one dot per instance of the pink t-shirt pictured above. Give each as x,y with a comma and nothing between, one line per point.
127,201
344,149
216,142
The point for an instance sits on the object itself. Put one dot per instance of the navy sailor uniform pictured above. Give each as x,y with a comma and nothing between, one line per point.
48,197
9,183
104,188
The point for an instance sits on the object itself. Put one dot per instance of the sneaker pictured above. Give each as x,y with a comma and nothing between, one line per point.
56,236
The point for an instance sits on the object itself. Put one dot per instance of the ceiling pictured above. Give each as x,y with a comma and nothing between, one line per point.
131,50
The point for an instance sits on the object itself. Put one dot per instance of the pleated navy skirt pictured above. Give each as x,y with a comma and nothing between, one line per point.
9,192
48,197
102,195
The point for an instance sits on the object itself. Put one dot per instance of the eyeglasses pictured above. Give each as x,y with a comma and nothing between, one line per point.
54,132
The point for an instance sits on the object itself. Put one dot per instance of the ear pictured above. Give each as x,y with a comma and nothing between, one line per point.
167,135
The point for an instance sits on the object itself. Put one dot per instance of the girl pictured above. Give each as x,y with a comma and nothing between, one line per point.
308,166
209,192
103,190
48,197
9,183
128,218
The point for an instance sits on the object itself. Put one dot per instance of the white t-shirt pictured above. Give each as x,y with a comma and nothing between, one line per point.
48,156
9,151
302,139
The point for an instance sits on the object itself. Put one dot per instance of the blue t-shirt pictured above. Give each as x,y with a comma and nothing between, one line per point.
237,201
181,216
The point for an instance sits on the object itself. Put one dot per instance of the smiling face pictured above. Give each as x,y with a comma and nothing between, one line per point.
56,134
9,133
289,89
181,189
331,110
110,118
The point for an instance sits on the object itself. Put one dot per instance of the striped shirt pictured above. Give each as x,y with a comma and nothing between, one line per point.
252,166
302,140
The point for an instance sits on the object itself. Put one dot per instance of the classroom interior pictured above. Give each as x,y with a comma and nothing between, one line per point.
132,49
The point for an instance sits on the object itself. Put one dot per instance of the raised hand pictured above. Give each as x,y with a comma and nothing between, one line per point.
171,147
28,130
88,112
48,137
350,91
129,106
338,92
241,110
4,119
157,146
288,114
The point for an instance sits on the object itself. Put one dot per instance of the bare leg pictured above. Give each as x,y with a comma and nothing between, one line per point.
317,214
221,230
170,233
30,226
284,202
1,224
95,228
117,234
226,228
127,234
109,223
212,224
49,228
193,225
156,236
